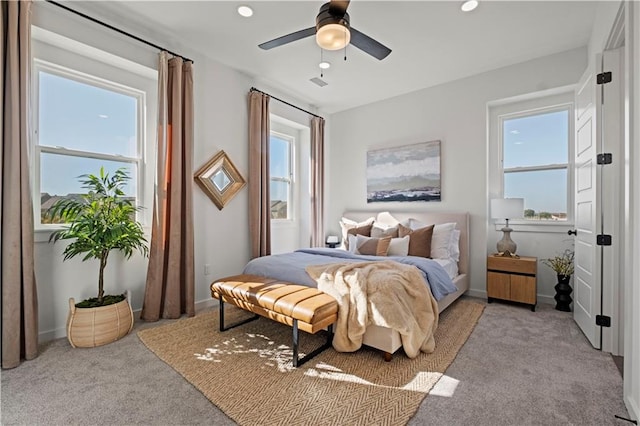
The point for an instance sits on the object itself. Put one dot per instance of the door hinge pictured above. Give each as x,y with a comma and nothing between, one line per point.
603,321
603,240
606,158
604,77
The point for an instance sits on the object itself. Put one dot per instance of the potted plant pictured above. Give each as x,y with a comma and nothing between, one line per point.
562,265
98,222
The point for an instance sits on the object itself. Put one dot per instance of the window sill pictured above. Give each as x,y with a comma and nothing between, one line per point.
551,227
283,223
41,235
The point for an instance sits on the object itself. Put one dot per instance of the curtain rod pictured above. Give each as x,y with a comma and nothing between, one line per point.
111,27
253,89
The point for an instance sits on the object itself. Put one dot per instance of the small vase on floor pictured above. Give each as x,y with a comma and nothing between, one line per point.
563,293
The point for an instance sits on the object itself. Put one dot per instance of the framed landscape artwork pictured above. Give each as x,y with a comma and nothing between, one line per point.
404,173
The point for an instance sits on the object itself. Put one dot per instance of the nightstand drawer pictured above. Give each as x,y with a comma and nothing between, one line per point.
522,265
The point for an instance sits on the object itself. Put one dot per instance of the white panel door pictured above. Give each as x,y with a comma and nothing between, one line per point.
586,280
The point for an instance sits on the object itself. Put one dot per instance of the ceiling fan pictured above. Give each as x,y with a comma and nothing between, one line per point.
333,32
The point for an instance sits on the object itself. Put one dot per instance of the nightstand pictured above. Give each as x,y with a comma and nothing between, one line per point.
512,278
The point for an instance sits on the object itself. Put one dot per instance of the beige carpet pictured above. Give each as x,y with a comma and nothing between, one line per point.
247,371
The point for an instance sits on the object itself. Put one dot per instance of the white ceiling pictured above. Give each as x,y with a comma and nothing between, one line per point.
432,42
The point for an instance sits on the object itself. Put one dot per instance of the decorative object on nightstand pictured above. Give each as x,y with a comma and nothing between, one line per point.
332,241
562,265
507,208
513,279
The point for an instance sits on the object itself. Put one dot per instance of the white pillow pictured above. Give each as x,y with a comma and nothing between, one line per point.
399,246
353,244
441,241
454,247
385,218
442,237
380,230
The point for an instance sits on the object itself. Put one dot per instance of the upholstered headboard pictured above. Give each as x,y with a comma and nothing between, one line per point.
461,220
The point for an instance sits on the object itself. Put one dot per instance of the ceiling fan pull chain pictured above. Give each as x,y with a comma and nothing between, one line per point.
345,45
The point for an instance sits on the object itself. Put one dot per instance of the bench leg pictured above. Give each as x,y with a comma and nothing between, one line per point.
299,361
221,313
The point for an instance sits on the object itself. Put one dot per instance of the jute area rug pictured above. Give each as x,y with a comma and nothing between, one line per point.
247,371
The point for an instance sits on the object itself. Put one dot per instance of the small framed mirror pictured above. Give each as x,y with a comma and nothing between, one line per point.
219,179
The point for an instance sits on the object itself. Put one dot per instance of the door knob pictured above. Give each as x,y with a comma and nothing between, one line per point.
572,232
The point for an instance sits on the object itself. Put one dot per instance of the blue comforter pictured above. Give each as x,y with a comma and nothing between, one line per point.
291,267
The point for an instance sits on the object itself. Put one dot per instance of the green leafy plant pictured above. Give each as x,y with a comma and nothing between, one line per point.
562,264
100,221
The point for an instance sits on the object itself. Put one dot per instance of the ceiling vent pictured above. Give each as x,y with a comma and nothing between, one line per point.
320,82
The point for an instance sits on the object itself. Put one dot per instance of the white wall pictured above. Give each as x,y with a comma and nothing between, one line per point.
221,117
456,114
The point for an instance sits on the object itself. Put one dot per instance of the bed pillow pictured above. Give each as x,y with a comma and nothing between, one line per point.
441,241
371,246
380,231
352,227
419,239
454,247
386,219
399,246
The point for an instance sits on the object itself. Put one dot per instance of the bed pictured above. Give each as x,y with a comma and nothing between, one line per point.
385,339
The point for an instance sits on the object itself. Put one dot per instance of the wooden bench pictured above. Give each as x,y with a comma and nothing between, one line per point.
300,307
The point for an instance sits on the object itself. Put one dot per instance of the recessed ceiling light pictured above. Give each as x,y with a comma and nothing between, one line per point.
324,65
103,116
468,6
245,11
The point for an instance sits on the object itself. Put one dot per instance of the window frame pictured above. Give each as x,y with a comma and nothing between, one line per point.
538,103
291,140
40,65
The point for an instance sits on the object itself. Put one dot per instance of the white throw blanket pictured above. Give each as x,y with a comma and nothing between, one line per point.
386,293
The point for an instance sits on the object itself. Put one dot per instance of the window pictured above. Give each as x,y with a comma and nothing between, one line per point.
83,123
281,174
535,161
91,109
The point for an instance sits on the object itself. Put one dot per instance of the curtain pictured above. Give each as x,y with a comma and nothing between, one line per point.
170,289
18,281
317,182
259,198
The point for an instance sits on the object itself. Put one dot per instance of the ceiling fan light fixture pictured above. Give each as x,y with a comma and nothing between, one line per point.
469,5
333,36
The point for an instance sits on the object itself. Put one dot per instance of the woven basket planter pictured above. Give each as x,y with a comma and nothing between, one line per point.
91,327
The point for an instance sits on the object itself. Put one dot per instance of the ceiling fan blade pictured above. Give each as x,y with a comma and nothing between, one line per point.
369,45
338,7
288,38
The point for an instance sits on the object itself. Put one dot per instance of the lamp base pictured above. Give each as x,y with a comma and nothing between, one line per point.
506,244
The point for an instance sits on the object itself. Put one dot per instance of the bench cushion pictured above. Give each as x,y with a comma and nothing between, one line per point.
278,300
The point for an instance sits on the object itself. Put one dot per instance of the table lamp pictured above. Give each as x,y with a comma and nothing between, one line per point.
507,208
332,241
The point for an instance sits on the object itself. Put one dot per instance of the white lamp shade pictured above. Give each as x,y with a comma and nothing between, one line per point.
507,208
332,239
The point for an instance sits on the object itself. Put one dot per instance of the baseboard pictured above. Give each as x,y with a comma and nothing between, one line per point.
632,408
206,304
58,333
49,335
